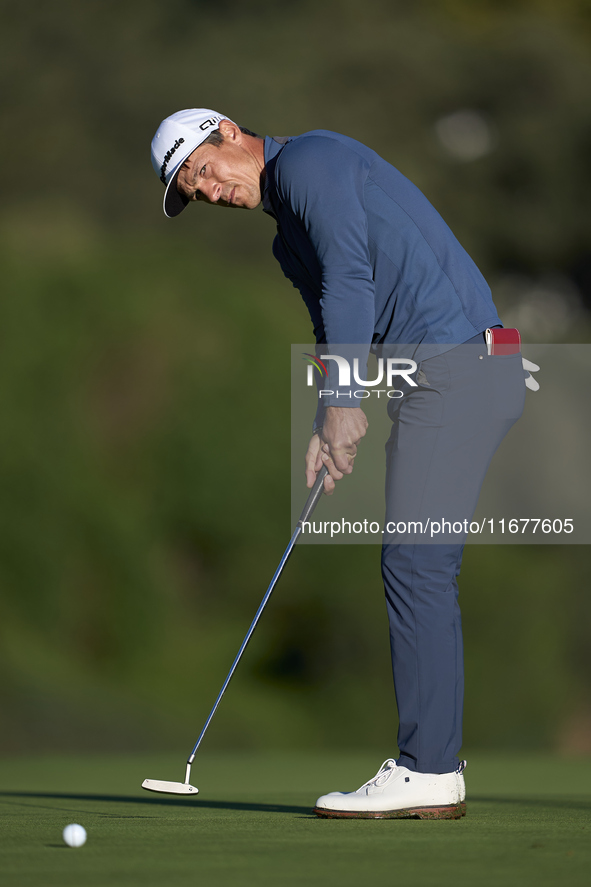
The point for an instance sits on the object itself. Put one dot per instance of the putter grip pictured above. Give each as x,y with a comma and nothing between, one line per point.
315,494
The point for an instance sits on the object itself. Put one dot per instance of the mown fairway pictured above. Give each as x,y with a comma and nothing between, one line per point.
528,822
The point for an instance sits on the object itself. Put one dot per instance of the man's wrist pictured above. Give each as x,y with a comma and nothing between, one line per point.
353,404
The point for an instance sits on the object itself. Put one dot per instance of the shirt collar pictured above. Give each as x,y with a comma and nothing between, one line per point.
272,151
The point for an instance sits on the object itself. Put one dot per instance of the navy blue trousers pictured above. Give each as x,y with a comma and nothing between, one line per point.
444,435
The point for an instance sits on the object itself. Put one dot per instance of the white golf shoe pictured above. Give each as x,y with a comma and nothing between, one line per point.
398,793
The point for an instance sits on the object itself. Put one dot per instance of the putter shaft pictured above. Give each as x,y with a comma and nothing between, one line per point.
309,507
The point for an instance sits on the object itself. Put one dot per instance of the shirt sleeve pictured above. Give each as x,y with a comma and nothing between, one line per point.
321,181
316,317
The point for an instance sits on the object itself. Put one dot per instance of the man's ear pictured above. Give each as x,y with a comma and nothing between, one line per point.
230,131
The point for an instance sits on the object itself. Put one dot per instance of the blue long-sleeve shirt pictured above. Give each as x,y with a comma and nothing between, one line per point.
374,262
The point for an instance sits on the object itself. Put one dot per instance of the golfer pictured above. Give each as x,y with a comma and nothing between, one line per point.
378,267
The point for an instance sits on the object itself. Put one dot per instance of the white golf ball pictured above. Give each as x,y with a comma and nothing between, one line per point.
74,835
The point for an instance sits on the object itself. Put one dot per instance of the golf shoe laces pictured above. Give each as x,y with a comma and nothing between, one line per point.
382,775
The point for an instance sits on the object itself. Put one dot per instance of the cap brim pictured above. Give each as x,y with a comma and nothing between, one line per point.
174,202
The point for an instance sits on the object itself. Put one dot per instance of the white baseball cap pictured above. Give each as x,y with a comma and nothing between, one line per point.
176,138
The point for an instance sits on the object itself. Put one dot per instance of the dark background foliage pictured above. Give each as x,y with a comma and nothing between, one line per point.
144,471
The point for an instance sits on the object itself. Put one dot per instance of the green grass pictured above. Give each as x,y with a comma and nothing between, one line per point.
528,823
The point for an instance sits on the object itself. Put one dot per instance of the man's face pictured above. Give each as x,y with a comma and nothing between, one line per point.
228,175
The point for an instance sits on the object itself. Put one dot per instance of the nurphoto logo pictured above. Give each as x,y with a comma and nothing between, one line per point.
388,369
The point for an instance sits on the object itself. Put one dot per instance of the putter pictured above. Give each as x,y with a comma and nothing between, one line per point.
185,788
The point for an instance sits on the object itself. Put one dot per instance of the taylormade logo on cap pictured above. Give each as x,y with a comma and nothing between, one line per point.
167,157
176,138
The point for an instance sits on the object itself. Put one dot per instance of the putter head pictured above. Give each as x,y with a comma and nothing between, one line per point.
169,788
